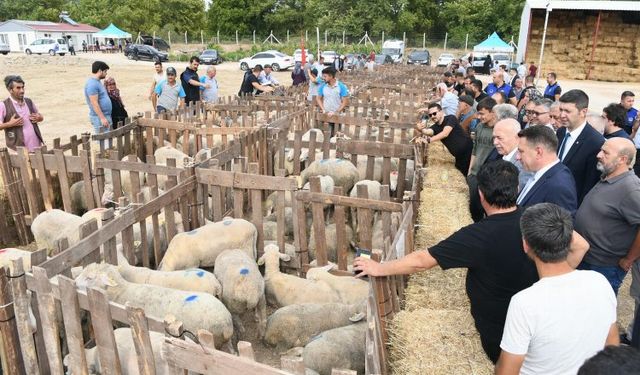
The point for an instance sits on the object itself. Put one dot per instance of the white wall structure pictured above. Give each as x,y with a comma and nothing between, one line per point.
19,34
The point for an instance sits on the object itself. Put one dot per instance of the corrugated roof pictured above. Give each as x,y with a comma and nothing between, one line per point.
59,27
585,5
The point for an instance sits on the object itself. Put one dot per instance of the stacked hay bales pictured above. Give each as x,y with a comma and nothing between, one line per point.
435,333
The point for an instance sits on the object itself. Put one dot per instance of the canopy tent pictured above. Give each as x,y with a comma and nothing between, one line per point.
493,44
112,31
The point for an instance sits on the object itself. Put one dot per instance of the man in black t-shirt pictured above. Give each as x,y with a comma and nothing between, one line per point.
250,83
448,131
492,251
191,82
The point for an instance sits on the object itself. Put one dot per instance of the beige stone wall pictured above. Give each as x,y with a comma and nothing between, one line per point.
569,44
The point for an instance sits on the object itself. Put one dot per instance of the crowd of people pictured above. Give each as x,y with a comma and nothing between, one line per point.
555,199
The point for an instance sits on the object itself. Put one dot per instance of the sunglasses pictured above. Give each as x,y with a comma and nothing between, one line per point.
433,114
534,113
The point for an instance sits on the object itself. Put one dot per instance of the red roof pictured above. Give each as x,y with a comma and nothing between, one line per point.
61,27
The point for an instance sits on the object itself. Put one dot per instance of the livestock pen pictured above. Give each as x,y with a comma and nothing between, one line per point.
245,176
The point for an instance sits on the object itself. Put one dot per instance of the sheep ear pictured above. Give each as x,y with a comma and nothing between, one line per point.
261,261
285,257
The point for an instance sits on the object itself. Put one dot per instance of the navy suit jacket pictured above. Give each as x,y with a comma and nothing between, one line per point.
555,186
581,158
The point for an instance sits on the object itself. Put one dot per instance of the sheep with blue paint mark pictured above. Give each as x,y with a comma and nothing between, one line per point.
200,247
195,310
242,287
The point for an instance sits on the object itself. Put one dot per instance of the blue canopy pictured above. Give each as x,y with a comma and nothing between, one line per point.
112,31
493,44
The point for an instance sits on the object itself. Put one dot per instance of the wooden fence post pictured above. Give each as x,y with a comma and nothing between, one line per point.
15,203
8,328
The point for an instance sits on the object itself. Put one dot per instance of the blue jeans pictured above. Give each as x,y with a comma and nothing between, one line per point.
99,129
614,274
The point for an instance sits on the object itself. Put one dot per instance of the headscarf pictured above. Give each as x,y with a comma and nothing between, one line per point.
113,91
298,68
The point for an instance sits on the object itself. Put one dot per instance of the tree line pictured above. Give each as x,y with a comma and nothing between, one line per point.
477,18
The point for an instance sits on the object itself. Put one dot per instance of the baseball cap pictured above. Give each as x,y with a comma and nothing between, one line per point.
171,71
466,99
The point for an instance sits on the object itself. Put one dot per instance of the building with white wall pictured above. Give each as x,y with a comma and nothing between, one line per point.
18,34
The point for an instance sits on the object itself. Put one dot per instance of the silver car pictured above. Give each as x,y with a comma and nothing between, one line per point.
4,48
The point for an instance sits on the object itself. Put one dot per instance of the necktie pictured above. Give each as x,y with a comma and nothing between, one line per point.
561,152
525,190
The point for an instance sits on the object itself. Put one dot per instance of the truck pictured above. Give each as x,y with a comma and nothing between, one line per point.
395,49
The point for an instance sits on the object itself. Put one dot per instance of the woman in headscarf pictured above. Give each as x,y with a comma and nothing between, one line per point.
298,75
118,113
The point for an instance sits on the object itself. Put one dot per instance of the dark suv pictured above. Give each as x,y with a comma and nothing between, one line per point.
419,57
158,43
144,52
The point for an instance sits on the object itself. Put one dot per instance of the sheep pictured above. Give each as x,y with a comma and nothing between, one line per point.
190,147
331,242
342,347
196,310
50,226
344,173
326,185
127,354
282,289
362,162
295,325
373,192
78,199
194,280
304,152
162,154
349,289
201,246
125,179
242,287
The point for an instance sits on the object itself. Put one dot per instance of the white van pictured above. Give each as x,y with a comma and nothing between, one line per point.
47,45
395,49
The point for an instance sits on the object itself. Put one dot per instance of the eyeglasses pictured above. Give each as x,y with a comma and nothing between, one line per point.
534,113
433,114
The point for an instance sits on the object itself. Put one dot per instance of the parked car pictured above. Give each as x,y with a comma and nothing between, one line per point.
445,59
419,57
383,59
210,57
277,60
329,57
503,59
144,52
158,43
4,48
47,45
297,55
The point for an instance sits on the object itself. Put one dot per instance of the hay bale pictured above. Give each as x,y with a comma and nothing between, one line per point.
441,213
428,341
437,289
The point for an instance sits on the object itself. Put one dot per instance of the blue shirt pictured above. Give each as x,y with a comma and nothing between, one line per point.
332,95
631,116
506,89
95,87
552,90
210,94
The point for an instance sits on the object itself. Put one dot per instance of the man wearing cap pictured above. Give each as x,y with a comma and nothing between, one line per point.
466,114
19,117
169,94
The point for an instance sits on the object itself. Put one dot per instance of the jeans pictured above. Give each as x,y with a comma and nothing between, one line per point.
614,274
160,109
99,129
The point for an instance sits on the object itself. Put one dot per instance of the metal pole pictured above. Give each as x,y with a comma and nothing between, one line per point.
237,41
544,37
343,38
466,42
446,36
306,35
424,40
318,42
325,37
186,41
218,36
254,37
383,37
287,35
169,37
202,37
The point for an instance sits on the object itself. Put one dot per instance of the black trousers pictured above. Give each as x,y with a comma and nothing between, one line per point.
475,207
636,166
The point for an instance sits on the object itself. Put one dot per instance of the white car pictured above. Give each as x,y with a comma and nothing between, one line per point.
51,46
329,57
277,60
297,55
445,59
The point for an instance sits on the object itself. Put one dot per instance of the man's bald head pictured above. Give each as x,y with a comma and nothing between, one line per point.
616,157
624,147
505,136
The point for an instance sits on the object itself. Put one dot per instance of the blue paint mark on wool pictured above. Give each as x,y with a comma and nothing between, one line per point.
200,273
226,222
191,298
192,232
244,271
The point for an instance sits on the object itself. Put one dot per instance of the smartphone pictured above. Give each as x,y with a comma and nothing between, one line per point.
362,253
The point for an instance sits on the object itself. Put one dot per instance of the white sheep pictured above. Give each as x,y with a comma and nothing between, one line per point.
48,227
349,289
343,172
162,154
304,151
363,160
194,309
295,325
331,243
282,289
127,354
373,192
242,287
201,246
342,347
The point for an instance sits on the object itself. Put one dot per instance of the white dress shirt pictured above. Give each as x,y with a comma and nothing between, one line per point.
535,179
575,133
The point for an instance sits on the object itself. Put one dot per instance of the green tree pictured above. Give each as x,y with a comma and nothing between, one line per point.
31,9
183,15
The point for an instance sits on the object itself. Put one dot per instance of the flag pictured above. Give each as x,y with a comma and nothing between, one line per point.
304,53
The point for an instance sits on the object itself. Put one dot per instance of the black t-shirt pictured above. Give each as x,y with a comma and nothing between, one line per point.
192,92
457,142
247,84
481,96
459,88
498,267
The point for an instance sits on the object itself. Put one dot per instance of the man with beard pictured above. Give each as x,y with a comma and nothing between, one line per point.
609,217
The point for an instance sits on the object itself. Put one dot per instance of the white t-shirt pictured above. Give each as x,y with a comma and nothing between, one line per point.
159,77
559,322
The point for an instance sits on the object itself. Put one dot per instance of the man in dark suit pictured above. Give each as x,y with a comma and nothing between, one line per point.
578,142
552,181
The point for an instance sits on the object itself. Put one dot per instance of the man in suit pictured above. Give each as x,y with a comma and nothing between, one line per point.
505,139
552,181
578,142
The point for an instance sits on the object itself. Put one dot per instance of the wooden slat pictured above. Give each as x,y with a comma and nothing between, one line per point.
73,329
23,317
103,329
138,167
392,150
141,340
327,199
317,210
342,246
47,312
